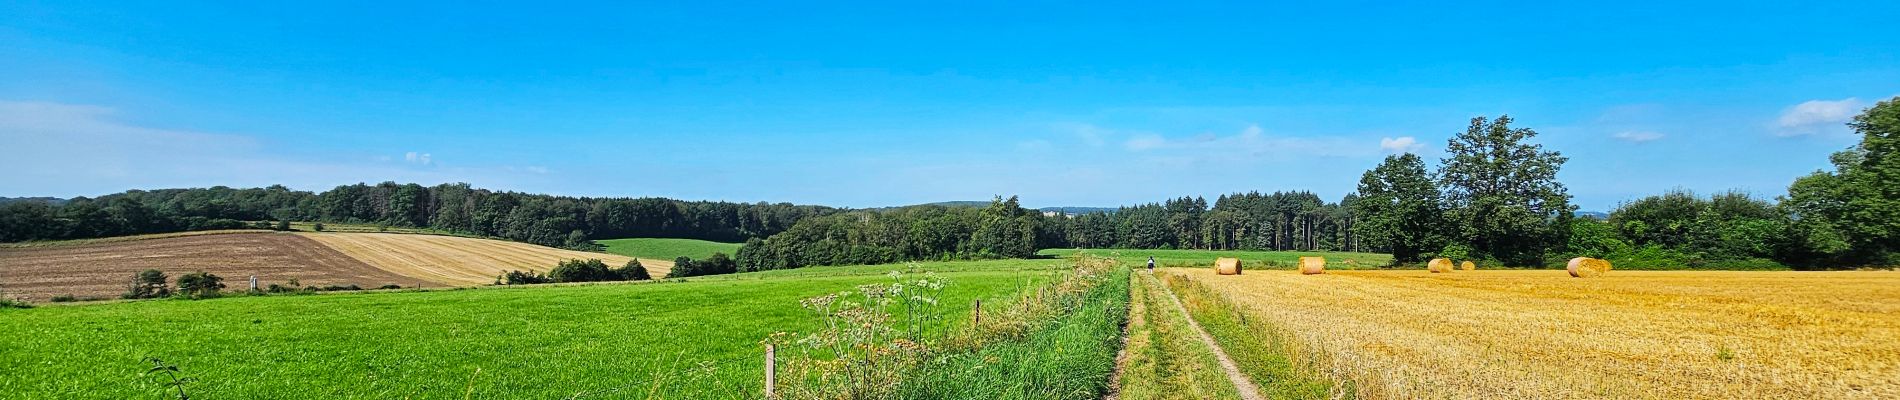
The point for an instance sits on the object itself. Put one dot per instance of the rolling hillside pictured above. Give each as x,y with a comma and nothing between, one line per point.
101,268
459,261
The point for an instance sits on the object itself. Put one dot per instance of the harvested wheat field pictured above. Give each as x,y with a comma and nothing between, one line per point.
460,261
1627,334
103,269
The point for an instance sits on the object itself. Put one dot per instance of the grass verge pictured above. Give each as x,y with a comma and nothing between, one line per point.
1163,358
1267,354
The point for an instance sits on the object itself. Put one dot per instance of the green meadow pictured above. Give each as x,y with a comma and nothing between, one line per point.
666,339
1248,259
667,249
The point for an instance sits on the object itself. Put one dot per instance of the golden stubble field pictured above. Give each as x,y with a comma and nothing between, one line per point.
460,261
1631,334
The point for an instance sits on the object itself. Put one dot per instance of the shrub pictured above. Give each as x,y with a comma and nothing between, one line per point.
391,286
65,298
276,288
8,302
148,284
200,284
718,264
317,227
282,225
333,288
592,270
633,271
521,278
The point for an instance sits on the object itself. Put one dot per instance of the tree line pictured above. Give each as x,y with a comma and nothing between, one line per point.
1494,199
558,221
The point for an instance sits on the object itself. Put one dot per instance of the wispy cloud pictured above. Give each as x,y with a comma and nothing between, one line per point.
1637,136
418,158
1251,141
1146,142
96,153
1400,145
1815,116
1087,134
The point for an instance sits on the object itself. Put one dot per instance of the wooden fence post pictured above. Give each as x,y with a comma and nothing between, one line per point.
976,317
771,371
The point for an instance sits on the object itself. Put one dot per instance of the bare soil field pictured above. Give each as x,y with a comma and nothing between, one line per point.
460,261
1542,334
103,269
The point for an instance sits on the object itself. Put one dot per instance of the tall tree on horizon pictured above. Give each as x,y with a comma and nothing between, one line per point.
1398,208
1852,215
1501,193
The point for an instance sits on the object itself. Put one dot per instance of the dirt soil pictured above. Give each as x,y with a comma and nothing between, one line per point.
103,270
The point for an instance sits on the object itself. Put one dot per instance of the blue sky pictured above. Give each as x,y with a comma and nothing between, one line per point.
880,104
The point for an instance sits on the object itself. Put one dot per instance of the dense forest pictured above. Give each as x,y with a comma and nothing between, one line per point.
1494,198
540,219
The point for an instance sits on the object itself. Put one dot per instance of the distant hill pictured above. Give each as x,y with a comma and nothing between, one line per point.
1071,210
958,204
1077,210
48,200
1593,214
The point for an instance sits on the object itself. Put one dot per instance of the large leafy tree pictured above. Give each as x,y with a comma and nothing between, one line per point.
1398,208
1852,215
1501,193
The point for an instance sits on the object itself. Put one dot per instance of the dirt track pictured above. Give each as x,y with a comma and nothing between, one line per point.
104,269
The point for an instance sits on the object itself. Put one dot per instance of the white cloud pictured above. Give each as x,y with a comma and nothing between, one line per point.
1400,145
1147,142
1637,136
1250,141
418,158
54,149
1033,145
1814,116
1090,135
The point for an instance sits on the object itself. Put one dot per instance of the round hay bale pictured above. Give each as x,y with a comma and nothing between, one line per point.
1227,266
1586,267
1468,265
1439,265
1312,265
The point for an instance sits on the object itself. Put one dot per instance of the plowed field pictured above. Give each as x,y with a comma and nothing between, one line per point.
105,269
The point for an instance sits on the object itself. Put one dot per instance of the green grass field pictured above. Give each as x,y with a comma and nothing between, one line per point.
696,339
667,249
1249,259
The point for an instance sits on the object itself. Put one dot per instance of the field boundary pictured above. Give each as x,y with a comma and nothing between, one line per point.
1248,390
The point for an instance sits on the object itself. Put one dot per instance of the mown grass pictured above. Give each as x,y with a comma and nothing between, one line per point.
667,249
1249,259
693,339
1265,353
1164,357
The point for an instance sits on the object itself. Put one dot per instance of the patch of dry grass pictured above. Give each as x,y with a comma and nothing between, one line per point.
1628,334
